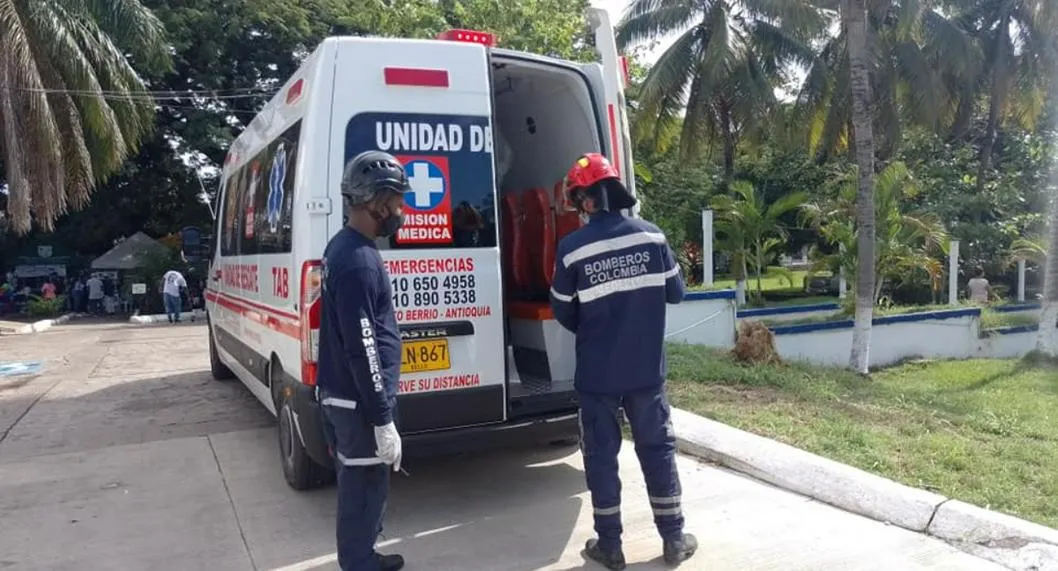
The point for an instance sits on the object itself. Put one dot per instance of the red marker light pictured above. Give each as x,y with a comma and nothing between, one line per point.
294,92
469,36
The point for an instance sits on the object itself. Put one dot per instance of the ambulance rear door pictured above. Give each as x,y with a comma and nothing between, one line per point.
429,103
608,84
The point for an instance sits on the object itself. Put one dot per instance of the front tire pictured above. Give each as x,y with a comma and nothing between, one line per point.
299,469
218,369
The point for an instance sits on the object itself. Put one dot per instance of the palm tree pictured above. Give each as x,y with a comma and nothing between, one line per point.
723,68
1047,339
71,105
921,66
1016,39
753,228
854,23
906,243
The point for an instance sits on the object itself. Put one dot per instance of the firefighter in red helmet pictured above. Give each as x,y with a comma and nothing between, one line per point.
612,280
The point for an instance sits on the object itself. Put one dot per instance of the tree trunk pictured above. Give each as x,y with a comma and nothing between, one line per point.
740,284
729,145
854,15
1047,338
997,89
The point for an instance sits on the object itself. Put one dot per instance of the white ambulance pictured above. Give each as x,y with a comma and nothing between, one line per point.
486,136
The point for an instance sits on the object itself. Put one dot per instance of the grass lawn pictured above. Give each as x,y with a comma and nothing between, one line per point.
771,281
982,431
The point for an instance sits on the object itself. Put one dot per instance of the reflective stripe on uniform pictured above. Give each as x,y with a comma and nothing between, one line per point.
340,403
358,461
672,501
617,286
612,245
608,511
667,511
560,296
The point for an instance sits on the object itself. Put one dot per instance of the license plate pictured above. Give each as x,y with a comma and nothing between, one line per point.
420,356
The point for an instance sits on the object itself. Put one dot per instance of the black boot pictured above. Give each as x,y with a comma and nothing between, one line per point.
680,550
609,559
390,562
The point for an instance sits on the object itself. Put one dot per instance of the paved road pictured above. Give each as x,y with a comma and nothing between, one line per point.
124,454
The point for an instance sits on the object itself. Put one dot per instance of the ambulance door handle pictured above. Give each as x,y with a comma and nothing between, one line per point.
217,275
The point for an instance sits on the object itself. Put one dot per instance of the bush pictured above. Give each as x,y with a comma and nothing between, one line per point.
45,308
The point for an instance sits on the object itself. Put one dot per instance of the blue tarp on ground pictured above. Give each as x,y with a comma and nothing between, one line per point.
18,368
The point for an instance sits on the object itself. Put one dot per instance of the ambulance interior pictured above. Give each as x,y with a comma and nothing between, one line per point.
544,120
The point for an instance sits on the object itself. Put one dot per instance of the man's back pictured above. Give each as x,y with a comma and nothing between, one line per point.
95,288
617,274
355,288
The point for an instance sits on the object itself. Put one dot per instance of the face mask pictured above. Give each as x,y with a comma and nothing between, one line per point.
388,224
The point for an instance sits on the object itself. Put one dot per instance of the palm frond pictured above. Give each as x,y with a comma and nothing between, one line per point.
60,136
662,19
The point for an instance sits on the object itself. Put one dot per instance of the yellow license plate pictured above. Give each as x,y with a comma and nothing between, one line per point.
420,356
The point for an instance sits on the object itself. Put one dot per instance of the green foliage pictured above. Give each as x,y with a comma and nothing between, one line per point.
907,243
750,229
41,308
62,135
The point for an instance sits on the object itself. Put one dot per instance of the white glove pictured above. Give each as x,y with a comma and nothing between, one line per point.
387,439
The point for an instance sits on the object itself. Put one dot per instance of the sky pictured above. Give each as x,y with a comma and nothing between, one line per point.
616,9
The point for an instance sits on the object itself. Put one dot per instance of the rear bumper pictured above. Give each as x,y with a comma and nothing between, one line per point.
522,432
542,427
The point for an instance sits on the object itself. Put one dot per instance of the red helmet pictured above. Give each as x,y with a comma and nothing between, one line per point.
591,169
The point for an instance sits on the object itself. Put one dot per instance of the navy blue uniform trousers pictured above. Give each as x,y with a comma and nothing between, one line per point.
600,425
363,483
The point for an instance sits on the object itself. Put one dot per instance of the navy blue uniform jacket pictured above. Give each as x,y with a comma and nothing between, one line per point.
612,280
360,345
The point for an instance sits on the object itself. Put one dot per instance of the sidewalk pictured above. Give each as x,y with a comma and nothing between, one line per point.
219,502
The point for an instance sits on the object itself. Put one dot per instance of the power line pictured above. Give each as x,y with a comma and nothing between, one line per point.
149,95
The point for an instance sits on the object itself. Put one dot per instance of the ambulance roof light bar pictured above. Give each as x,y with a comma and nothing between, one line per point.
469,36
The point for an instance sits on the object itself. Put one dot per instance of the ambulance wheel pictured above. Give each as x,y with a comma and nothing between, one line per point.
299,469
219,370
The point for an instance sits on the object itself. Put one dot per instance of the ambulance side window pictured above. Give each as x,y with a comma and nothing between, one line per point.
258,211
229,240
274,194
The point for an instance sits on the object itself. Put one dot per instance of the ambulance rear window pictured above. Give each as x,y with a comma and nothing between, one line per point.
449,162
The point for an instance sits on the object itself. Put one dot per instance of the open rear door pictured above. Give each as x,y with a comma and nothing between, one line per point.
429,103
608,83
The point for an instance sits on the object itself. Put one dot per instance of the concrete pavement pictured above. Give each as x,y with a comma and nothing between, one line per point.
134,459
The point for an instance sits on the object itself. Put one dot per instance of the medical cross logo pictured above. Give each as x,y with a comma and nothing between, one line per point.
427,185
275,187
428,206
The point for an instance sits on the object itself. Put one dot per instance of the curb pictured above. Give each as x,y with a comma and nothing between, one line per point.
190,316
1000,538
44,324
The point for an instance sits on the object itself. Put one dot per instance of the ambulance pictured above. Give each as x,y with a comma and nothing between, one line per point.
486,136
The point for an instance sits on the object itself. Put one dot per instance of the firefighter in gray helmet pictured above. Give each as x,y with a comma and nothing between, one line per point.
359,359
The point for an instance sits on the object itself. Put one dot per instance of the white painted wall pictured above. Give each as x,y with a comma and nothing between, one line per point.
703,318
948,334
1000,344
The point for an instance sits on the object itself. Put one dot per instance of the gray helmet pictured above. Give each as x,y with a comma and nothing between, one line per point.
372,172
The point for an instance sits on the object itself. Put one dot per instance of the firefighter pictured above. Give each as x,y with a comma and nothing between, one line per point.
359,358
612,280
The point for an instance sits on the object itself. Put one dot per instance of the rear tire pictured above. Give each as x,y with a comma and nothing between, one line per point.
219,370
299,469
